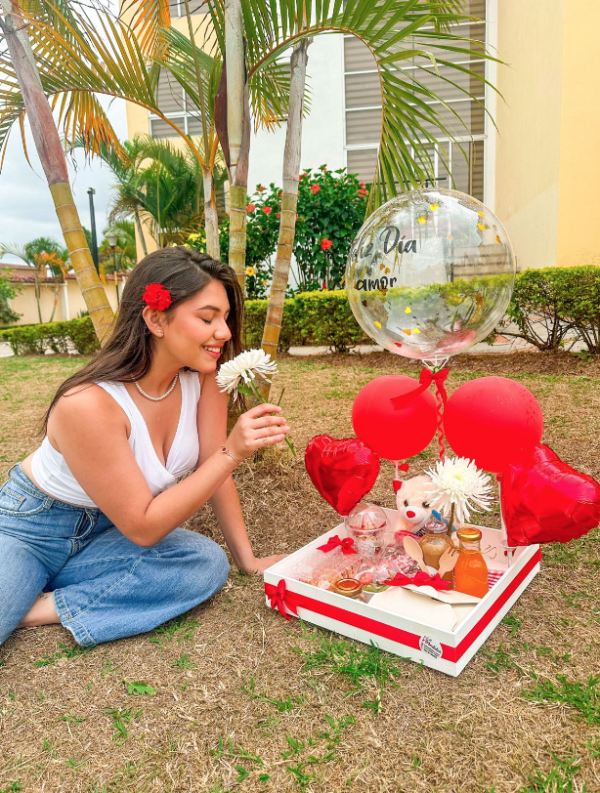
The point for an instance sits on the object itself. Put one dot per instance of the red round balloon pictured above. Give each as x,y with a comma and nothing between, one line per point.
394,434
494,421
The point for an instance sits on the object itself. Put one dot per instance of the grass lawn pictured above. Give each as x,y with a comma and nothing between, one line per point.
233,697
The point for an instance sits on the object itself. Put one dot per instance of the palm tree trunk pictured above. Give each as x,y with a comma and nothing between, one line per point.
140,230
211,220
52,157
236,77
289,199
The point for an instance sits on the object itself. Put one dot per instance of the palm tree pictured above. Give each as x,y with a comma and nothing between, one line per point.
116,63
80,59
25,76
394,31
289,201
160,185
46,258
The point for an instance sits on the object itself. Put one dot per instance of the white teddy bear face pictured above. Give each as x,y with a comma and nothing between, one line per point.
413,503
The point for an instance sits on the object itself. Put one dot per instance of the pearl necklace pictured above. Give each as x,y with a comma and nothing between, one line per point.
157,399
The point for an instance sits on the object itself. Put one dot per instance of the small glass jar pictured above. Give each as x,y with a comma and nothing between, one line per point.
435,542
367,525
470,572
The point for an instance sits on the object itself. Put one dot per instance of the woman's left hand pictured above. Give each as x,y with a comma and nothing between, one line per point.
260,565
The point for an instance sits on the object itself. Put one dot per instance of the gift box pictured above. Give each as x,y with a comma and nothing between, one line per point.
442,630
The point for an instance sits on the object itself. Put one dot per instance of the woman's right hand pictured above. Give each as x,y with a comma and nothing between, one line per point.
256,429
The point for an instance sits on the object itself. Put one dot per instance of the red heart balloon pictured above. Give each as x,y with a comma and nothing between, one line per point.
545,500
343,471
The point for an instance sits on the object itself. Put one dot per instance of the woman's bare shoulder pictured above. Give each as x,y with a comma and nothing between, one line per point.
86,402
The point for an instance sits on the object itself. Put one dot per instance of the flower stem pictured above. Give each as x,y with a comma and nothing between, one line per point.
451,521
260,398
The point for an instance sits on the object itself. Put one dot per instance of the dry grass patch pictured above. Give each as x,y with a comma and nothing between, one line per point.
232,697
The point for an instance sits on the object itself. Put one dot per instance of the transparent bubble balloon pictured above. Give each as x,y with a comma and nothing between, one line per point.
430,274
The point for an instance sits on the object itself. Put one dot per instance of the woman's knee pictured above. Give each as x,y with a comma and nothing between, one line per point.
204,561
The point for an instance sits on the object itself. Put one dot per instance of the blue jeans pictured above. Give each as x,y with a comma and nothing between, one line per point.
104,586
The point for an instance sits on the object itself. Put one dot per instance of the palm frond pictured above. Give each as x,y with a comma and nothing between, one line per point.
148,19
423,32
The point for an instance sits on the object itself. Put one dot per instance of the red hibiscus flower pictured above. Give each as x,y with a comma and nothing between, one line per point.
278,215
362,184
362,193
250,208
267,210
157,297
315,189
326,244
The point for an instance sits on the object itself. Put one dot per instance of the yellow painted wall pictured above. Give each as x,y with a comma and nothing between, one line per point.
530,42
579,163
26,305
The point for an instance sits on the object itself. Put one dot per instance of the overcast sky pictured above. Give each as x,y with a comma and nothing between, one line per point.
26,208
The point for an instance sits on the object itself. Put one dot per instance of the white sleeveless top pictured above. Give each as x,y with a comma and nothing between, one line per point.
53,475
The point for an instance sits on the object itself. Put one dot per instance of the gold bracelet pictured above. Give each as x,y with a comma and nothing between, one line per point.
225,450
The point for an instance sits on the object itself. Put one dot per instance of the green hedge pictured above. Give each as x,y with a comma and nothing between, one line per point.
61,337
551,308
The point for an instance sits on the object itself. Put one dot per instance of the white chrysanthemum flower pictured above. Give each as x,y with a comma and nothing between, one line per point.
458,482
246,366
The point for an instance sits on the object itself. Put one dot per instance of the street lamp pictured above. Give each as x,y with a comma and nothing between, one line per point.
112,241
95,259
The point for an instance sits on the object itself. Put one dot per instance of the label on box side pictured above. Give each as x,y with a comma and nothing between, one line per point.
430,646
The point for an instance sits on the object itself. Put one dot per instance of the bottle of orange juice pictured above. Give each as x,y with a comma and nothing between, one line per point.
470,570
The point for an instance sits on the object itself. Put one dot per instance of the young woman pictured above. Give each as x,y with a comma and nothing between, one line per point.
89,522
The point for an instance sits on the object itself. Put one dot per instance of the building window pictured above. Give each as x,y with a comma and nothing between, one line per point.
176,107
462,170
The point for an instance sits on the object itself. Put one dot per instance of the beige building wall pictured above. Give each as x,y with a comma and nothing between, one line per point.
547,152
579,162
528,140
69,304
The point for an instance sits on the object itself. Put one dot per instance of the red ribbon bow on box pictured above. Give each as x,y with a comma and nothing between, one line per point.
334,542
281,599
426,378
420,579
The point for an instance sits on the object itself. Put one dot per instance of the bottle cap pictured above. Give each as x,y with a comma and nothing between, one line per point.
468,534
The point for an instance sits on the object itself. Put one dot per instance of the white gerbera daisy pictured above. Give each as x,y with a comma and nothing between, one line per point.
246,367
459,486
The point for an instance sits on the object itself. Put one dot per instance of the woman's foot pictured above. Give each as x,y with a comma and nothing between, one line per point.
41,613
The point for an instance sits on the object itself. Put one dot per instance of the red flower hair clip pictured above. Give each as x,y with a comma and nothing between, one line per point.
157,297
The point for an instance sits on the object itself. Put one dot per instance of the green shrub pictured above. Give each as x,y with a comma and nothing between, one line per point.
554,306
255,312
325,318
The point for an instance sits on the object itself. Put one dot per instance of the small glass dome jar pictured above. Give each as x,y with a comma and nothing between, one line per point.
367,525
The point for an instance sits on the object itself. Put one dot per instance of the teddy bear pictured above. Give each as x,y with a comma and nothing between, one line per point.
413,502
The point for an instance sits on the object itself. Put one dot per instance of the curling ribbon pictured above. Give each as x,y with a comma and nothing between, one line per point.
334,542
420,579
396,481
281,599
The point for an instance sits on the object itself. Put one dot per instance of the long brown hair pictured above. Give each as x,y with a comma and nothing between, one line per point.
128,353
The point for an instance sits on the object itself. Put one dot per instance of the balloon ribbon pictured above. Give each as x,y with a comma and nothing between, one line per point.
281,599
334,542
426,378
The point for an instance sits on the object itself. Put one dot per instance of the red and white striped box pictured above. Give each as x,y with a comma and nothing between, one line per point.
448,651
